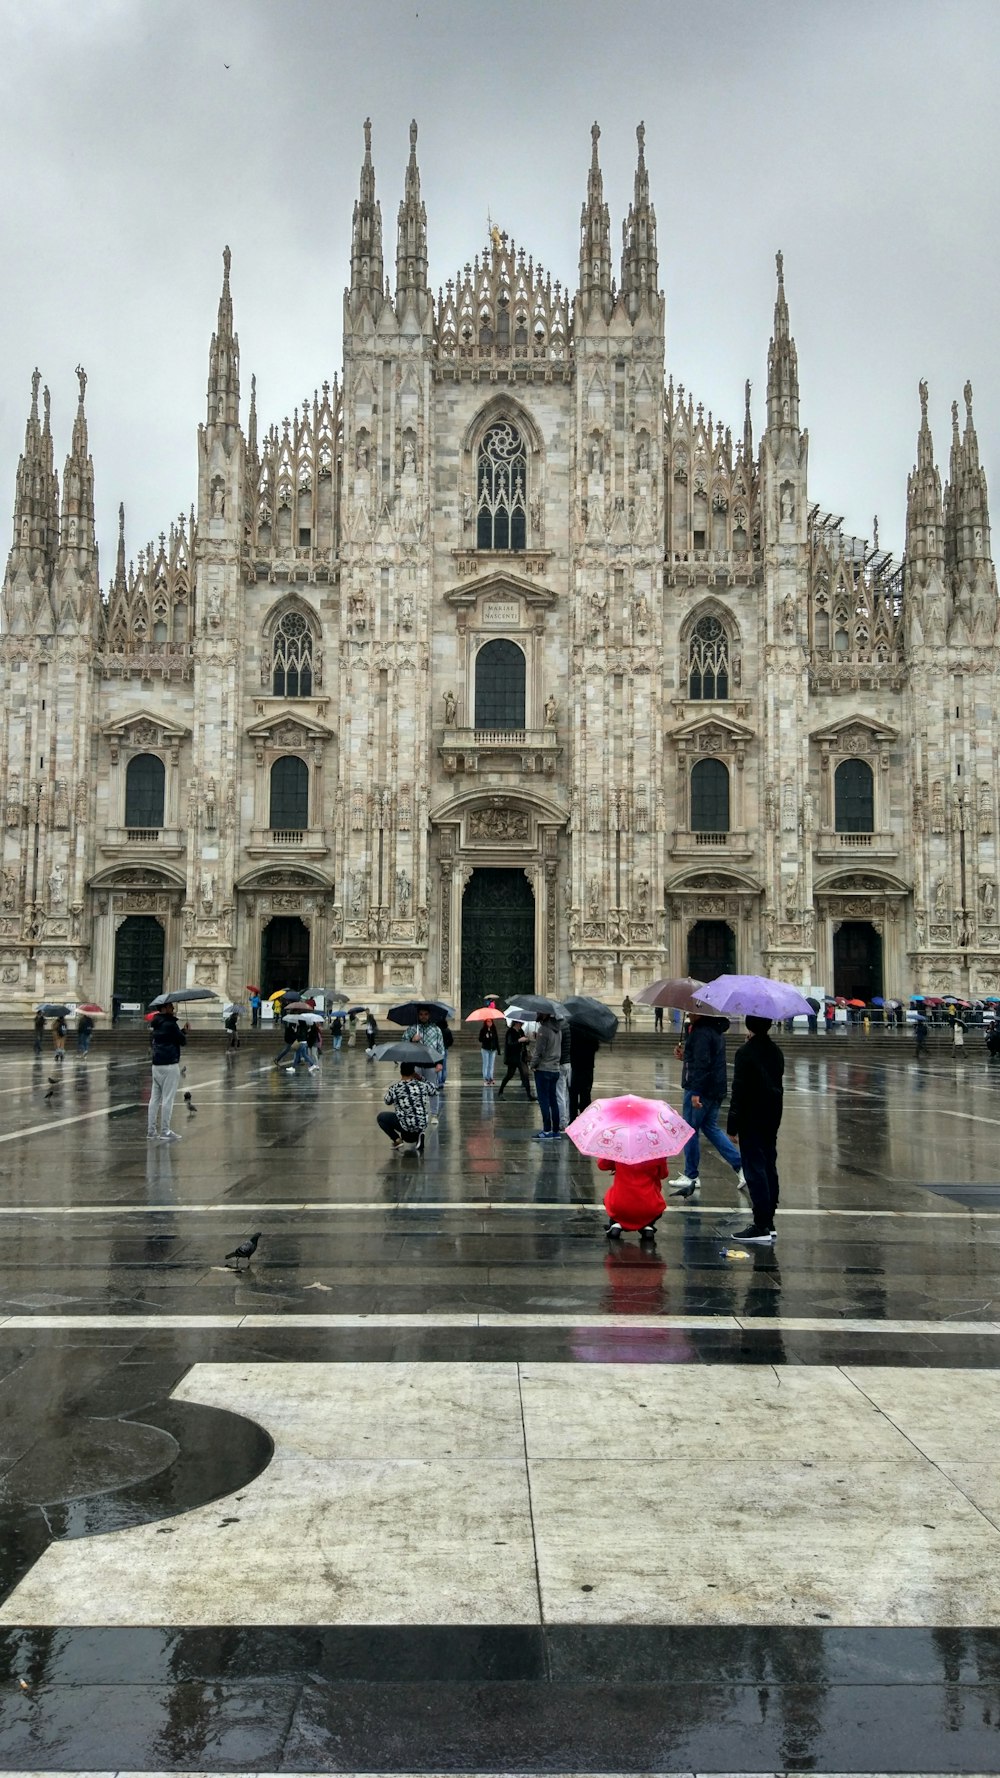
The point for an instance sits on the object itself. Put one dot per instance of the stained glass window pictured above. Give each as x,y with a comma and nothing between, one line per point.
500,489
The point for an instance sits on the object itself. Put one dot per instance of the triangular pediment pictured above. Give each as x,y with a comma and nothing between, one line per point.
863,731
501,584
289,727
145,728
703,728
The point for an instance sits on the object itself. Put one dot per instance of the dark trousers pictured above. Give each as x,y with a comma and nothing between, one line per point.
759,1155
389,1122
545,1084
520,1068
581,1083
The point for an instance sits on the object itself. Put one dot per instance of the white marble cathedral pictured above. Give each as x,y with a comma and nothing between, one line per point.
499,664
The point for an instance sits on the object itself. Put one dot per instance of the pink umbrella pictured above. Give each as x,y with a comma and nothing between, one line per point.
629,1129
678,992
484,1013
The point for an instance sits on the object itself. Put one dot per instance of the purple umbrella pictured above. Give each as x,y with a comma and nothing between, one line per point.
753,995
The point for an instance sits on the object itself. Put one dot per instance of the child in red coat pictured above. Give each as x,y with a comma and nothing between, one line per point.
634,1199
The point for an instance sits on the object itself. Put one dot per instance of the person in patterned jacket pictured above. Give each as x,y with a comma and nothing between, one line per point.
406,1122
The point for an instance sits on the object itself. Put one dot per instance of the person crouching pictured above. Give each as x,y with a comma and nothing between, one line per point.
634,1200
409,1097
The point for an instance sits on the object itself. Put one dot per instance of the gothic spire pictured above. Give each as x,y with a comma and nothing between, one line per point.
367,270
640,266
77,542
121,573
782,363
924,510
747,425
411,238
224,360
595,241
967,514
36,496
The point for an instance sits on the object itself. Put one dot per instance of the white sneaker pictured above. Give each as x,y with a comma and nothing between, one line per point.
314,1068
152,1136
170,1136
289,1070
741,1182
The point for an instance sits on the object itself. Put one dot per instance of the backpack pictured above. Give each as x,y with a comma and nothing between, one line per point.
448,1036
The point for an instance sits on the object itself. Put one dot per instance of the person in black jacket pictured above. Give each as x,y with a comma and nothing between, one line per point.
515,1057
583,1048
167,1040
703,1078
489,1044
755,1108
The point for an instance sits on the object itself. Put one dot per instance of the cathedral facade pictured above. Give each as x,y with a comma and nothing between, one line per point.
501,664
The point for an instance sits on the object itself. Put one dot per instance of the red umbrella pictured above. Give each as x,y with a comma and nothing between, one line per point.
90,1008
857,1003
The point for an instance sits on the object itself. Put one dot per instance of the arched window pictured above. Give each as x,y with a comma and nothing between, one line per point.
501,478
854,797
500,686
291,657
144,791
289,794
709,797
708,668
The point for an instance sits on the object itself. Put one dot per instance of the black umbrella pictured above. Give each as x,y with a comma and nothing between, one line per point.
402,1051
406,1012
593,1015
813,1003
539,1005
178,994
52,1009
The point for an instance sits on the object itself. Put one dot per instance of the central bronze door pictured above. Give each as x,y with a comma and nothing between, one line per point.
498,936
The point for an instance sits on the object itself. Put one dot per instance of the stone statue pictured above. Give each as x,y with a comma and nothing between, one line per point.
941,899
989,899
593,897
57,886
8,890
450,709
409,456
642,896
358,896
985,807
787,501
404,889
550,711
218,497
808,812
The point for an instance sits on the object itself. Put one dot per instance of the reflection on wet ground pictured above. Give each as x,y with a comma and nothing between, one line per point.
116,1306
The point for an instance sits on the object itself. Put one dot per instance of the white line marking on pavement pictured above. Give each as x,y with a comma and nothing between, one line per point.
432,1318
365,1206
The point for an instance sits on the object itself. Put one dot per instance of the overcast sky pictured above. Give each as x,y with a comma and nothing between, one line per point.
139,136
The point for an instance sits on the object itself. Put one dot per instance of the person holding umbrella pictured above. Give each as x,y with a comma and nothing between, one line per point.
428,1033
703,1079
167,1040
545,1067
39,1030
755,1109
632,1138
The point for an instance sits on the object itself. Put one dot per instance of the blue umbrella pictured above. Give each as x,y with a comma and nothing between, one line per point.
877,1000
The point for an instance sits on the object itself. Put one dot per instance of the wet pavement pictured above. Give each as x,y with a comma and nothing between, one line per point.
440,1484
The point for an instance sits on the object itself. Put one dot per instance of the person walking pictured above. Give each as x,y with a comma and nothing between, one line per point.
337,1031
627,1012
166,1041
352,1026
545,1066
254,1009
515,1057
958,1033
703,1079
658,1019
39,1033
409,1097
489,1045
288,1035
920,1032
230,1023
59,1029
583,1048
755,1107
425,1031
371,1034
84,1033
305,1041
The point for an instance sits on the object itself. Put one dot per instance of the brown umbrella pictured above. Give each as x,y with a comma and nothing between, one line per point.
680,992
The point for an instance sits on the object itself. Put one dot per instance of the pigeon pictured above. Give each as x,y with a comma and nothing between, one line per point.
245,1250
189,1102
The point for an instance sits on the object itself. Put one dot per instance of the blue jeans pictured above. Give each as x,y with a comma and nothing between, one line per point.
703,1122
546,1082
489,1060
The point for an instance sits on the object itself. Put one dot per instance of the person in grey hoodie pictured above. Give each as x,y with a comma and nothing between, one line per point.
545,1066
703,1078
167,1040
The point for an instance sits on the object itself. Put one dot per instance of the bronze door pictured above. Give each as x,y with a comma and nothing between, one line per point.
498,936
139,959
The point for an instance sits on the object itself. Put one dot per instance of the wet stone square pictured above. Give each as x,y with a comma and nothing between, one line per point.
440,1481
